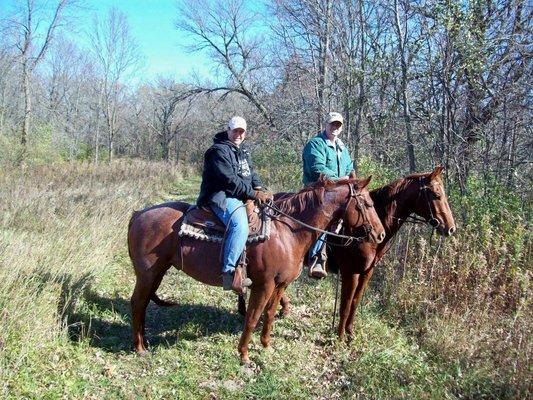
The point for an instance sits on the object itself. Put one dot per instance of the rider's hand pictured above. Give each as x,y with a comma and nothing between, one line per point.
263,196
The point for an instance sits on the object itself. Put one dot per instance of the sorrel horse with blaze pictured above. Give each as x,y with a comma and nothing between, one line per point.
154,246
420,194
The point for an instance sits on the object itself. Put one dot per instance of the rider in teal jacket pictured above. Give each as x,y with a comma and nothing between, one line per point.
325,154
322,156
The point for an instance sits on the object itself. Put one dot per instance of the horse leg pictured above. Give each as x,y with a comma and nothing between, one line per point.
154,297
285,306
270,312
283,312
139,302
364,279
349,284
241,304
256,304
147,283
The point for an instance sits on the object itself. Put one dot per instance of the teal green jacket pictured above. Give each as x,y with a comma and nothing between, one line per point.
322,156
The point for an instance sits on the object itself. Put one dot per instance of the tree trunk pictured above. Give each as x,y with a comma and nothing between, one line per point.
27,107
323,63
405,98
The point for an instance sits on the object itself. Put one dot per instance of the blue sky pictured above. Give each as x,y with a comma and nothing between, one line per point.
152,24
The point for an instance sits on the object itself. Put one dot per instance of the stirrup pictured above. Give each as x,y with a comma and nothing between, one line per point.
240,281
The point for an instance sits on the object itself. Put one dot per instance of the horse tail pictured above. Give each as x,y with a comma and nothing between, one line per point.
160,302
134,215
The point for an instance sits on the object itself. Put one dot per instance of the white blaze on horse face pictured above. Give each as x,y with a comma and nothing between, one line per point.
443,212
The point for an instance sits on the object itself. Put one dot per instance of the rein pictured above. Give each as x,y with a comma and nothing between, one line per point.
350,239
312,228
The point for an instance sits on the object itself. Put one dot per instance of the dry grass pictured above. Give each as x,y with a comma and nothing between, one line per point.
61,225
448,321
466,300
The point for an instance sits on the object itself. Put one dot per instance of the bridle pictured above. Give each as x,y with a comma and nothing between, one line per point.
432,220
349,239
360,205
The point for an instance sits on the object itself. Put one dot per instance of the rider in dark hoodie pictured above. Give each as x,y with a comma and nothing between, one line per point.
228,180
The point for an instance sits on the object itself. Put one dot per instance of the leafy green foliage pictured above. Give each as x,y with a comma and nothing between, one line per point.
280,166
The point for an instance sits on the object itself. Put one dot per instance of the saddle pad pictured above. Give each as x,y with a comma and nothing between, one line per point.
203,224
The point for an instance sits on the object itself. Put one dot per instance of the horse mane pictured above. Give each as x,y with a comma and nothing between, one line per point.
297,202
387,195
418,175
310,196
393,188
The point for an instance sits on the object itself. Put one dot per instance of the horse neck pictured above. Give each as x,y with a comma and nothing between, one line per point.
394,203
318,216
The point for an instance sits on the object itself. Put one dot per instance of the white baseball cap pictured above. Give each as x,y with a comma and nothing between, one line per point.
334,117
237,122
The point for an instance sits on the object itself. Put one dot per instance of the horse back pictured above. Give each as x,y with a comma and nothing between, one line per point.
162,210
155,227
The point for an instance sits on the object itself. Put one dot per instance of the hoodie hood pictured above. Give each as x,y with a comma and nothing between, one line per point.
222,138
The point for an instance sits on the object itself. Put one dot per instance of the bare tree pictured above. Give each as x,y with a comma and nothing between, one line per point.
117,55
305,28
32,48
69,84
224,29
167,98
7,71
400,11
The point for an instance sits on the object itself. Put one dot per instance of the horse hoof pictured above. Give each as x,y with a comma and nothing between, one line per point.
245,362
143,353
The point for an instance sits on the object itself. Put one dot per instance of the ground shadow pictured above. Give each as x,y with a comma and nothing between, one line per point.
105,322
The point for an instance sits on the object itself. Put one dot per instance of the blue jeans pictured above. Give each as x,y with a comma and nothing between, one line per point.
317,246
236,221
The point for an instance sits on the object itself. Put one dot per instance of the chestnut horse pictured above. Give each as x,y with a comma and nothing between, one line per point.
421,194
154,246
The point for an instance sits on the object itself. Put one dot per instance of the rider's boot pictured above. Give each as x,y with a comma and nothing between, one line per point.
317,267
235,281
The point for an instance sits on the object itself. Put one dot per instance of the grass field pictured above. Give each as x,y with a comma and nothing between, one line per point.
66,279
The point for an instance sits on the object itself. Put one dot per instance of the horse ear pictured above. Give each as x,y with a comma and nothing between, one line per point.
365,182
352,175
436,172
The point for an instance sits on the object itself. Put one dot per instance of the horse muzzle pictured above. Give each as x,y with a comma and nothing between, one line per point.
374,236
442,229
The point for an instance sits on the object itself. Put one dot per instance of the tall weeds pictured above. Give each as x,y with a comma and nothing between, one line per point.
464,302
60,227
467,299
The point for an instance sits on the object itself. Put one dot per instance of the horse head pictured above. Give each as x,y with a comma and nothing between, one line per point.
432,203
359,213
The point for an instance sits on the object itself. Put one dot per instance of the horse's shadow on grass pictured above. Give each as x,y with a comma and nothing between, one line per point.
105,322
